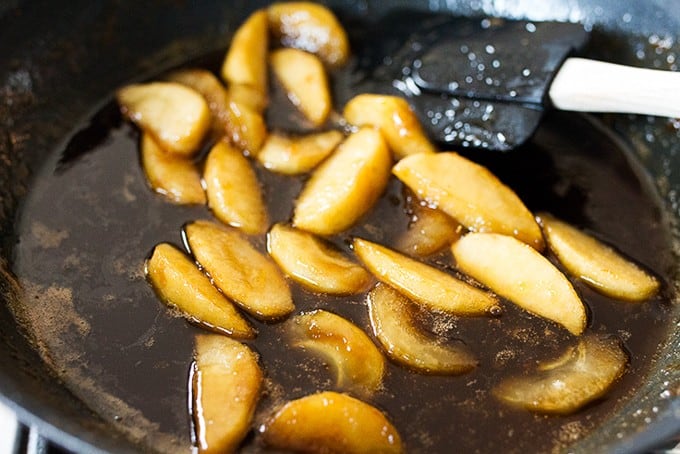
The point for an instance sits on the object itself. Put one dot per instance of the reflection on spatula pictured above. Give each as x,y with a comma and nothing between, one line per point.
485,83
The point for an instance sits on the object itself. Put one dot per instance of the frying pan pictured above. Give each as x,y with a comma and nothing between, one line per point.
61,60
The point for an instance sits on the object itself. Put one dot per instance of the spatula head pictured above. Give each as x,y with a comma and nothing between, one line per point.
474,82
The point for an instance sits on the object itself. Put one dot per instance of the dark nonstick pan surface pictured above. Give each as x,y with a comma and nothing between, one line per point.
61,62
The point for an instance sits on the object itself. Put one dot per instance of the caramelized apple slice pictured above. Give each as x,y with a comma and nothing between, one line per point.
295,155
310,27
584,373
345,186
518,272
245,127
358,363
242,273
395,119
178,282
315,263
246,95
395,329
430,231
246,59
470,194
304,79
234,194
176,116
424,284
596,263
174,177
226,384
330,422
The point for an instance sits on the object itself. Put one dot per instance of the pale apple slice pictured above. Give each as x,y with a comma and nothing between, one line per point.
179,283
345,186
296,155
519,273
234,193
226,381
430,231
470,194
310,27
244,274
246,59
176,116
304,78
331,422
175,177
395,119
359,366
395,329
424,284
583,374
314,263
597,264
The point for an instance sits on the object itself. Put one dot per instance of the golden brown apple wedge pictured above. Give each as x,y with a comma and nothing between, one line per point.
310,27
518,272
234,193
246,59
330,422
179,283
226,381
296,155
395,119
314,263
394,327
304,79
596,263
176,116
245,128
430,231
345,186
244,274
175,177
358,364
426,285
584,373
248,96
470,194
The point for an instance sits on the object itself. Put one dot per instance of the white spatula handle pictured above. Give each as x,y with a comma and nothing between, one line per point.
593,86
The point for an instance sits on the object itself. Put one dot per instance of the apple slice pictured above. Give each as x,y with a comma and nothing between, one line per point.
345,186
330,422
518,272
395,119
246,59
244,274
428,286
296,155
179,283
245,128
584,373
234,193
596,263
314,263
310,27
226,381
248,96
395,329
304,79
470,194
358,364
176,116
430,231
174,177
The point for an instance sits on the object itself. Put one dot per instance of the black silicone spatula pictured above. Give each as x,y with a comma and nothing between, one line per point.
486,82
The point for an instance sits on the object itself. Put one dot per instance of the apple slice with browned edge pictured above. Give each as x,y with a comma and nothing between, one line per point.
345,186
296,155
430,231
424,284
359,366
599,265
246,59
394,327
315,263
469,193
243,273
225,382
583,374
519,273
331,422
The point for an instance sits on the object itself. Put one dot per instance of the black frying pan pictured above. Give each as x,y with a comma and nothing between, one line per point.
61,61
